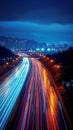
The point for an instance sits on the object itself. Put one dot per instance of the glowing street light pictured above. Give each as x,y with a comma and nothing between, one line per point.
7,63
51,61
13,60
57,66
16,59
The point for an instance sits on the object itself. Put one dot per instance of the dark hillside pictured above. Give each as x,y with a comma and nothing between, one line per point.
66,59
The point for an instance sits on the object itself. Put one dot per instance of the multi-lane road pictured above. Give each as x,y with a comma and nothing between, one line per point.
28,100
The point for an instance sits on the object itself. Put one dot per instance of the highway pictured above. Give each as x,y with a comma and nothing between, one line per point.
28,100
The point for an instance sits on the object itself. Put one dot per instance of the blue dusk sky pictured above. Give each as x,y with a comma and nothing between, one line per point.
40,20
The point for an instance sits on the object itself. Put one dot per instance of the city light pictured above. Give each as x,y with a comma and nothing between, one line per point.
42,49
37,49
48,49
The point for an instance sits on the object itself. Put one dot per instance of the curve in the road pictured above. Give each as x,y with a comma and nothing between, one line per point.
38,107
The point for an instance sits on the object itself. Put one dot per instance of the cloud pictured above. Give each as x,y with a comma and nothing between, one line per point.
39,32
40,11
30,26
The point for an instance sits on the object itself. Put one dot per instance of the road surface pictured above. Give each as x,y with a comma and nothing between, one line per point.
30,103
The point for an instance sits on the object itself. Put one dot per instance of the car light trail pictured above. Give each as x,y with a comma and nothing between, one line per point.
10,90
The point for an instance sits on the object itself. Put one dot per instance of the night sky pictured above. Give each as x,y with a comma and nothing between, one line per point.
40,20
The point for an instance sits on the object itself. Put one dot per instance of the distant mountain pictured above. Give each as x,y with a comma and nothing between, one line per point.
15,43
25,44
